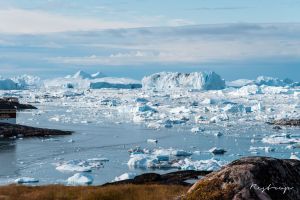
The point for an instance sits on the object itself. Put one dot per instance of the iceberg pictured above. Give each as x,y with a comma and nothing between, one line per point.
80,179
270,81
176,80
125,176
8,84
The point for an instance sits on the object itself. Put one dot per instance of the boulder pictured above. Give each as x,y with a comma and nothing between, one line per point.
257,178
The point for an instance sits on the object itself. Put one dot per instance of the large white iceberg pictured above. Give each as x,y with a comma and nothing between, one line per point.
175,80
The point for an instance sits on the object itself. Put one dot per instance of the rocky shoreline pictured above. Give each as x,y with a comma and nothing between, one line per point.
173,178
15,130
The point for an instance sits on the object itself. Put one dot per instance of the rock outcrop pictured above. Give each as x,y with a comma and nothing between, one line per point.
287,122
256,178
14,130
173,178
17,105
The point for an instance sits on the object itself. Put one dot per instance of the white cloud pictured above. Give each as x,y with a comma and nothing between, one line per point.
33,21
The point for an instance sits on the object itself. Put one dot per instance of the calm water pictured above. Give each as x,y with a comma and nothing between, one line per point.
35,157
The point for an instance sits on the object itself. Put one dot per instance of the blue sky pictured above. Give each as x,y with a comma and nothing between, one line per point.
237,38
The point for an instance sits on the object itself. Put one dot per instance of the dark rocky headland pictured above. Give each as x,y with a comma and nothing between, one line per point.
15,130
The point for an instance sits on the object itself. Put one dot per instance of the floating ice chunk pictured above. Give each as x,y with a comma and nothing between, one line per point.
294,156
54,119
26,180
218,134
180,110
142,161
141,100
197,130
152,141
200,119
236,108
209,101
145,108
73,168
98,160
258,107
80,179
216,150
195,80
280,139
171,152
80,165
125,176
154,125
266,149
219,118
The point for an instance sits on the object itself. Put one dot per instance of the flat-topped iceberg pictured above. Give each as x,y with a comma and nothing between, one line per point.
176,80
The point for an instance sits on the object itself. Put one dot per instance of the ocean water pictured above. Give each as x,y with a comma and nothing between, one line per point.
36,157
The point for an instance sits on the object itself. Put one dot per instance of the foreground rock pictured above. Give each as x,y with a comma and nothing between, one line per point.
173,178
16,104
14,130
245,178
287,122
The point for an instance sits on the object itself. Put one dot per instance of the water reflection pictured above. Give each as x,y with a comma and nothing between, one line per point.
8,165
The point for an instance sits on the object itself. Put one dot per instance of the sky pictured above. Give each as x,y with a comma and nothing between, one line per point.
133,38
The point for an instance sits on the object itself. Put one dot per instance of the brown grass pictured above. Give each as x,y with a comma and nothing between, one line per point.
119,192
